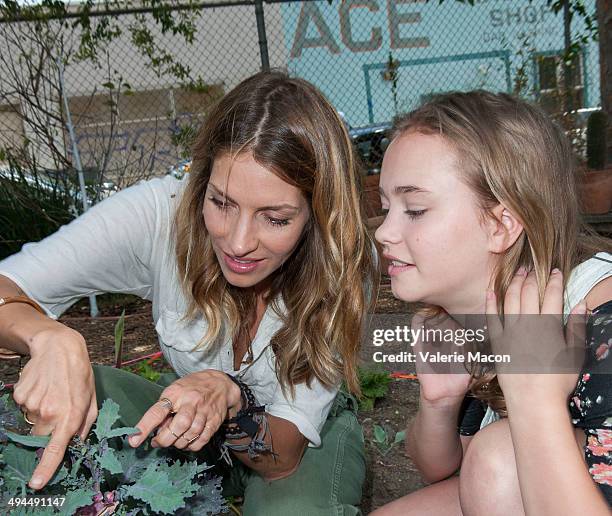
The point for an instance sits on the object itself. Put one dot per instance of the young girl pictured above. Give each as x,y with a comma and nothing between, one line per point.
258,266
483,216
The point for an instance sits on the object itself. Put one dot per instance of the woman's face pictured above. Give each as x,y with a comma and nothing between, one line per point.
432,232
254,218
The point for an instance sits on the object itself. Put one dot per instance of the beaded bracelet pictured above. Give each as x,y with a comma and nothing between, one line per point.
251,421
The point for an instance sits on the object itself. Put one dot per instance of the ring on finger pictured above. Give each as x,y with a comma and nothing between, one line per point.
189,441
167,404
177,436
25,416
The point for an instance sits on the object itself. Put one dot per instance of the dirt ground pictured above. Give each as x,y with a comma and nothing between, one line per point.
389,475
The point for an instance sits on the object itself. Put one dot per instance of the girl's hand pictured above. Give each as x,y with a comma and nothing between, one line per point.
200,403
438,389
56,391
545,360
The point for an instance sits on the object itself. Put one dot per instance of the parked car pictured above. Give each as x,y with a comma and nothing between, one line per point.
61,182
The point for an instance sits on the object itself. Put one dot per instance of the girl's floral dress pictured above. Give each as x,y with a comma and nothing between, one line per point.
591,402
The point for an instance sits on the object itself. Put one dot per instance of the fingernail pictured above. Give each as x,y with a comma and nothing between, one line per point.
36,482
555,271
154,444
133,441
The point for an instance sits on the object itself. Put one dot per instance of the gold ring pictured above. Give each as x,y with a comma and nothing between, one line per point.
189,441
25,416
167,404
177,436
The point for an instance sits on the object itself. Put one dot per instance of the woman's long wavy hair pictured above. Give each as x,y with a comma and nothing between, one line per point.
511,153
326,285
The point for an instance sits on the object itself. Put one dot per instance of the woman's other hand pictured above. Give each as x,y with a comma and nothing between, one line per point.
56,391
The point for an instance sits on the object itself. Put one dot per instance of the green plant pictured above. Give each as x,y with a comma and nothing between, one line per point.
374,384
119,330
34,205
391,74
183,137
596,140
382,439
103,474
146,370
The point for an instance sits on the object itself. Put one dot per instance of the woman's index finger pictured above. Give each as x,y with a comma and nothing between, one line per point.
151,419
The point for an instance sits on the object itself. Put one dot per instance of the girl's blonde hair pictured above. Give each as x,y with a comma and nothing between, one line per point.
293,131
511,153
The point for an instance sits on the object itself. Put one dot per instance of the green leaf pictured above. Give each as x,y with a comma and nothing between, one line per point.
366,404
182,475
19,464
109,85
119,330
32,441
110,462
77,498
60,475
136,460
155,488
380,436
400,436
121,431
107,417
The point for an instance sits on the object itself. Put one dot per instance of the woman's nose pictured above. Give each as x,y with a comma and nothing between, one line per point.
242,236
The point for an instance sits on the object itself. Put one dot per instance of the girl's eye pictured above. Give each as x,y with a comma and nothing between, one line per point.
414,214
277,222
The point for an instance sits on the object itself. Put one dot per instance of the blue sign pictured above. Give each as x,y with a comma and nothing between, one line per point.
376,58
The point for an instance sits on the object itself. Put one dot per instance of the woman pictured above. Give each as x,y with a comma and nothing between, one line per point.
482,197
258,267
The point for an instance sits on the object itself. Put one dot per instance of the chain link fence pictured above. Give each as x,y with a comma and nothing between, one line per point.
137,88
373,58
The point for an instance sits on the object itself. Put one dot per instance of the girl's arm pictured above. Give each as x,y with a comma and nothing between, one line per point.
433,442
549,464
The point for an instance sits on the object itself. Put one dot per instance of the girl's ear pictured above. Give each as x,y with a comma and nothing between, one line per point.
504,229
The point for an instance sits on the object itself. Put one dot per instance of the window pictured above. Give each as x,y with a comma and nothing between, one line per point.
551,81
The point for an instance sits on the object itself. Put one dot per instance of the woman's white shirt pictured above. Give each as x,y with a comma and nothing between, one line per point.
125,244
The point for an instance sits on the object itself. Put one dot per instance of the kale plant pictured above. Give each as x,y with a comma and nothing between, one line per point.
104,475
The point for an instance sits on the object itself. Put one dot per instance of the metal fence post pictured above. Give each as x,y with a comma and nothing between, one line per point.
93,305
261,32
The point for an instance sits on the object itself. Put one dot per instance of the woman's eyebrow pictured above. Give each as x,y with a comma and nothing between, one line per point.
221,193
278,207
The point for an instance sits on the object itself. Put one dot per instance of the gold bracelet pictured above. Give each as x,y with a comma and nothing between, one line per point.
21,299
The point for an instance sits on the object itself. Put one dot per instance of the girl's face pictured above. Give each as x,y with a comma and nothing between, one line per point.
432,233
254,218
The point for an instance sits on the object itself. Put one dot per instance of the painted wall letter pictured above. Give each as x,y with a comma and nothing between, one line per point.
346,32
310,13
396,19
